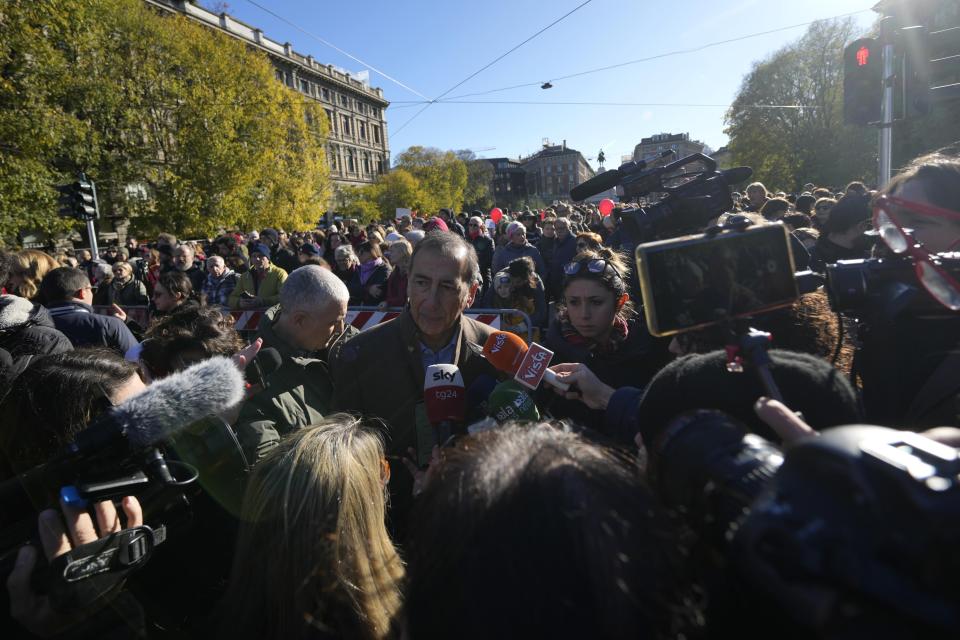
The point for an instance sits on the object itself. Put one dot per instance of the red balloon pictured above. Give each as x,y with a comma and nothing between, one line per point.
606,207
496,214
543,215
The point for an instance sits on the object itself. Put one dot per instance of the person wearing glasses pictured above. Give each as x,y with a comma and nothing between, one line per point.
597,325
908,362
484,246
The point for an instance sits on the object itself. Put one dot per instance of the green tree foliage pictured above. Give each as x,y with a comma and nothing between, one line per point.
182,127
441,174
788,147
423,179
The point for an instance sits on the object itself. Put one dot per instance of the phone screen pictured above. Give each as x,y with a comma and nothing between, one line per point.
696,281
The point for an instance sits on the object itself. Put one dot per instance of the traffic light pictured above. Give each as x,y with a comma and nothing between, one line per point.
79,200
931,67
862,81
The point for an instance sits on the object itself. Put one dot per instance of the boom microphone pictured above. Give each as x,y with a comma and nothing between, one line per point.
613,177
165,407
444,398
106,446
736,175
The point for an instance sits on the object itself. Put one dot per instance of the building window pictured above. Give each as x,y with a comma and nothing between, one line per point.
376,133
366,163
344,101
305,87
325,93
363,130
279,75
345,120
351,167
360,106
549,168
331,120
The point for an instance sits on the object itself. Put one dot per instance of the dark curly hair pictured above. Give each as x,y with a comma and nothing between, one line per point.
187,336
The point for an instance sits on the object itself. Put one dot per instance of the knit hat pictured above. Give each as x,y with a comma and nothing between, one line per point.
260,248
309,249
513,227
434,224
701,381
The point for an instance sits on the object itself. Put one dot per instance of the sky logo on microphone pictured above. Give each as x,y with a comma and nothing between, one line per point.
443,376
534,366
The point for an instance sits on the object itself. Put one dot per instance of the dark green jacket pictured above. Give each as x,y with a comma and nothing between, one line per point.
297,394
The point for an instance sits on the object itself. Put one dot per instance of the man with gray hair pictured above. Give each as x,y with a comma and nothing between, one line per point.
307,330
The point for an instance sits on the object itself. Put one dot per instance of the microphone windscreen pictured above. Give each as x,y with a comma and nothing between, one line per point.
606,180
444,395
510,401
505,351
179,400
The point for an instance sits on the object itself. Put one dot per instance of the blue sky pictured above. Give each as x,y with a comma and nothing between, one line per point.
430,46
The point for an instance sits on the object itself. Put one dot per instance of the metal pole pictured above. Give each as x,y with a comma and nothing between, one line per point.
886,106
91,229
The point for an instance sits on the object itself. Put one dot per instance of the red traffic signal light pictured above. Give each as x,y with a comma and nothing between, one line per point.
862,81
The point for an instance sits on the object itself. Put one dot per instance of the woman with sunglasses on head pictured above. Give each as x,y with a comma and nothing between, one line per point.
597,325
908,364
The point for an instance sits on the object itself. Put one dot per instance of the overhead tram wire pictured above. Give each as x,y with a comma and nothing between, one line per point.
658,56
338,49
488,65
616,104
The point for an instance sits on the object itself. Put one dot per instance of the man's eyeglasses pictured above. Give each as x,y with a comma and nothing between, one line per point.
593,265
938,283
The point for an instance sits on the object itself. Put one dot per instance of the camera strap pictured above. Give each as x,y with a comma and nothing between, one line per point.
91,571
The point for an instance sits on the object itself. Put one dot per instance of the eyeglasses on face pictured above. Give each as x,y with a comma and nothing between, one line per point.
941,285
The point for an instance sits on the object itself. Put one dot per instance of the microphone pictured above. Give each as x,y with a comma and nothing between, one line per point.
149,418
736,175
444,398
529,365
597,184
264,364
509,401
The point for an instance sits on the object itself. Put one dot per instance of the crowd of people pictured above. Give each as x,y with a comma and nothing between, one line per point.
329,505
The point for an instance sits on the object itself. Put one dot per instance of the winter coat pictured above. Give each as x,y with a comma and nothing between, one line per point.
509,252
27,330
216,291
130,294
85,328
269,292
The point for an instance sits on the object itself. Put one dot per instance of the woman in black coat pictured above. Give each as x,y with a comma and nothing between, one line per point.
370,280
597,326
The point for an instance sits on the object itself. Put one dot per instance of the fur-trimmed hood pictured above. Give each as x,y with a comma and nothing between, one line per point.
15,312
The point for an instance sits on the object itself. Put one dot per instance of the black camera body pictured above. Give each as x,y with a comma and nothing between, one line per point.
880,289
854,533
693,192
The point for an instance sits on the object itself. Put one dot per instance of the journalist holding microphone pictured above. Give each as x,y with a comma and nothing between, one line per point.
597,326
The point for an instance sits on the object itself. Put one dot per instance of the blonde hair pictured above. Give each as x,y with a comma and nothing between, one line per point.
406,250
313,546
32,265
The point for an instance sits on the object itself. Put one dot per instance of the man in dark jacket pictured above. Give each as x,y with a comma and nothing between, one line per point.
308,320
483,245
564,248
184,260
26,330
68,296
381,372
282,255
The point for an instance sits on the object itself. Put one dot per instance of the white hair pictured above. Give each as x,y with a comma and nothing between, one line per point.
312,287
216,260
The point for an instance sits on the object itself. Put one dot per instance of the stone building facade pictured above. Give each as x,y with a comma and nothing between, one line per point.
554,170
679,142
358,149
